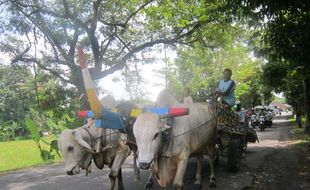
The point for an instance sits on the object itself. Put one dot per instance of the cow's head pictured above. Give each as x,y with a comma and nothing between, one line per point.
148,130
76,151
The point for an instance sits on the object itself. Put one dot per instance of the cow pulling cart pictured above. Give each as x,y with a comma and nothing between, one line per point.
108,135
113,119
120,118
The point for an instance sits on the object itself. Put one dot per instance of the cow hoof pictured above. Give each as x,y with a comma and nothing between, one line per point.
177,187
212,184
148,184
197,186
112,175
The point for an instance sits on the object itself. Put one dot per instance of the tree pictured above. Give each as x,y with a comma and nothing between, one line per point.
285,40
13,106
281,79
201,67
41,97
111,32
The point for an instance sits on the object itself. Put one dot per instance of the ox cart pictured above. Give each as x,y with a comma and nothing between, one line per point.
233,137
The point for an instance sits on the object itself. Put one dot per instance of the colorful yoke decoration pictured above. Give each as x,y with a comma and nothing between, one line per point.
104,118
169,112
112,119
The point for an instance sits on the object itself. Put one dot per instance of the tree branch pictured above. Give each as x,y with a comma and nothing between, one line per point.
42,66
135,12
122,62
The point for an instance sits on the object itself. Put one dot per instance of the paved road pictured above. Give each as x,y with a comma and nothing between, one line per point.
52,177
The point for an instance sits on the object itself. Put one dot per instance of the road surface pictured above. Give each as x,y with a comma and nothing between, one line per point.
52,177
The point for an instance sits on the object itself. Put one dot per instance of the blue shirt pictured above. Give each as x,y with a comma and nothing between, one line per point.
228,87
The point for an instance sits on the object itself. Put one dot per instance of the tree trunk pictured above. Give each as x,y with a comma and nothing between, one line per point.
297,112
298,119
306,84
262,99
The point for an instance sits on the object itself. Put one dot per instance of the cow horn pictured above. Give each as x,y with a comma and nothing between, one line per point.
83,143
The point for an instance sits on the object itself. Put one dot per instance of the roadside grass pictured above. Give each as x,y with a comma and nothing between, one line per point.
298,133
304,139
303,151
23,154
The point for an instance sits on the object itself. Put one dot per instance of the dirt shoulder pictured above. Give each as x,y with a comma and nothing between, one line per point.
288,167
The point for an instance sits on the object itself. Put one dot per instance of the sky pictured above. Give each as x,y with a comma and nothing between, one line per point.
152,83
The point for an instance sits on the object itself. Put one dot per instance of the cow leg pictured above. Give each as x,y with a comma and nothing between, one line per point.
212,155
119,159
198,173
120,180
135,167
149,183
117,163
181,168
112,181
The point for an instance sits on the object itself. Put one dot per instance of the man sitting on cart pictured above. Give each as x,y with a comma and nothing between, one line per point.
228,119
226,88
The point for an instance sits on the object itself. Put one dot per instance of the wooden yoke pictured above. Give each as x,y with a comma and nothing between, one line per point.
95,104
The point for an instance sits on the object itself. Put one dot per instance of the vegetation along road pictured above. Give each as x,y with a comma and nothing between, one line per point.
267,164
134,49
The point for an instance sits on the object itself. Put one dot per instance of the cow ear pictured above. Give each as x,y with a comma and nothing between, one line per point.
83,143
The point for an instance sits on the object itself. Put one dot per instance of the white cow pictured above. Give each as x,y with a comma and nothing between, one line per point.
190,136
78,147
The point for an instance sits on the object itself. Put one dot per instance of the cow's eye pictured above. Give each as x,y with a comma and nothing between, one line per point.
70,148
155,136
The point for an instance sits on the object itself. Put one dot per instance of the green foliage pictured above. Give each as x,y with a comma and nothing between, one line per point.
51,104
7,130
279,77
45,154
201,68
33,130
277,72
286,44
113,33
13,106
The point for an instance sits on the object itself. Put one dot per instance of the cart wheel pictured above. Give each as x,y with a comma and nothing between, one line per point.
234,155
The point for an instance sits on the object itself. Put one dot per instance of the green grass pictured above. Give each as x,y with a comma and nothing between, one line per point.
22,154
292,119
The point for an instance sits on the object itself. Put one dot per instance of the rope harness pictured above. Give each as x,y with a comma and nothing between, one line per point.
168,139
